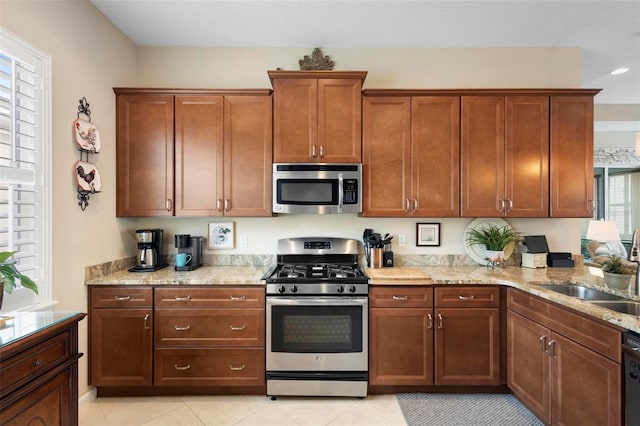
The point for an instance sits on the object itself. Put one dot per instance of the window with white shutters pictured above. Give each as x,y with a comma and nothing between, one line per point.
24,153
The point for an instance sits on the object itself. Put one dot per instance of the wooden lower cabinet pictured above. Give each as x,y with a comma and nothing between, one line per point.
562,379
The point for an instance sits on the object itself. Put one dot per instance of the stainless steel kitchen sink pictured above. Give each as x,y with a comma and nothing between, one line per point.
622,306
584,293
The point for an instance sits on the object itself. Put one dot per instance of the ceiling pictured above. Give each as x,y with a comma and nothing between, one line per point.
607,31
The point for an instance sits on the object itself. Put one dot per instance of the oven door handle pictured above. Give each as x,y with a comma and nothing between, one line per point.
340,190
318,301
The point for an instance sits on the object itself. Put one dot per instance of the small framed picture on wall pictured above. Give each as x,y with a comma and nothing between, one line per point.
221,236
427,234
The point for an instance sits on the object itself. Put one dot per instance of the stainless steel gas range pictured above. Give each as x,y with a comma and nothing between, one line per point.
317,319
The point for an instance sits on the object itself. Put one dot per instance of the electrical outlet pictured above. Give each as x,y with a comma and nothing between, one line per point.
402,240
244,242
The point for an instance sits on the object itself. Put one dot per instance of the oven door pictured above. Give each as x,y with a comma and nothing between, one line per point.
317,333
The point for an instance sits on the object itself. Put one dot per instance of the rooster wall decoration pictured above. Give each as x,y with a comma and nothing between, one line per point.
87,137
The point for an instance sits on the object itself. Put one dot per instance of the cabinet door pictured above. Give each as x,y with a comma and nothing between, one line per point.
120,347
529,365
387,156
295,120
144,145
247,155
435,156
339,121
482,156
401,346
467,346
527,156
571,156
198,156
586,387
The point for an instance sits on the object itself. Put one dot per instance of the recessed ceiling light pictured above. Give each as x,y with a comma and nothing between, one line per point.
619,71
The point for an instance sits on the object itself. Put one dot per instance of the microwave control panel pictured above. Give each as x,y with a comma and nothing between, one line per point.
350,191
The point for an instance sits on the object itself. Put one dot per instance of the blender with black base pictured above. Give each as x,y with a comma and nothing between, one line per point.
193,248
149,256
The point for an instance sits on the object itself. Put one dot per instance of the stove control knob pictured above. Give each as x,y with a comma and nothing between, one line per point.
340,289
281,289
294,289
352,289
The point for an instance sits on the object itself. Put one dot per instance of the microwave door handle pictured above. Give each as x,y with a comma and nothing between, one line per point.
340,190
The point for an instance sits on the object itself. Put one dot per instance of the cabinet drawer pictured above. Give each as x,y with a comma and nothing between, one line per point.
207,327
25,366
210,367
120,297
400,296
467,297
207,297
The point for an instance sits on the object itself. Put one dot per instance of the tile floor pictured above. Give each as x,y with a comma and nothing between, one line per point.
375,410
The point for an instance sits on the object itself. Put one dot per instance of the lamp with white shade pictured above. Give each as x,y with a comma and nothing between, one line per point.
602,231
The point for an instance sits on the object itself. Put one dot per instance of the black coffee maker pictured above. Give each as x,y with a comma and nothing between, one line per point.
149,256
192,246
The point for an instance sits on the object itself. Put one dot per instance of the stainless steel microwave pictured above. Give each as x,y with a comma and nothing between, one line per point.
317,188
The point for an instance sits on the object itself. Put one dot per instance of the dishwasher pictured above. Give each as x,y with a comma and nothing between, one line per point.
631,355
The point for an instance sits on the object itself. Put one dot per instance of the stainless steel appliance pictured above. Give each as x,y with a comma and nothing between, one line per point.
149,256
193,246
317,319
631,356
316,188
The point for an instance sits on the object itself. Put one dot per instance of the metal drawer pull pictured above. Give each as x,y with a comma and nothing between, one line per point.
237,297
232,368
552,349
232,328
122,298
185,328
461,297
182,367
146,322
543,344
37,362
440,321
430,321
182,299
400,297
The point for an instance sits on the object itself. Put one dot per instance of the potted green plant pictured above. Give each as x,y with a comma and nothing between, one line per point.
494,238
9,276
617,275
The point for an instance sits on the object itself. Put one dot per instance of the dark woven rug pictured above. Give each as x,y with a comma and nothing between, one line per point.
456,409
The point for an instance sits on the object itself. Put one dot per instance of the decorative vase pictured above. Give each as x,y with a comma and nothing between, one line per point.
617,281
495,255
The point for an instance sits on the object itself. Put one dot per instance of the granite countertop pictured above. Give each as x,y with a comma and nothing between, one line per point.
525,279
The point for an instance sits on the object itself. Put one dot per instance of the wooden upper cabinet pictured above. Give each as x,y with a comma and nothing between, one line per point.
144,155
572,156
505,156
411,156
199,155
248,151
317,116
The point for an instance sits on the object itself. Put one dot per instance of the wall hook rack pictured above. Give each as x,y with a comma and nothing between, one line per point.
88,139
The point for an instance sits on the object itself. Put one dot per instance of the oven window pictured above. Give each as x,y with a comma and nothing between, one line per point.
307,191
318,329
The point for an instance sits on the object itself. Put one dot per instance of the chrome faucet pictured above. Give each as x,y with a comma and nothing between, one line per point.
634,257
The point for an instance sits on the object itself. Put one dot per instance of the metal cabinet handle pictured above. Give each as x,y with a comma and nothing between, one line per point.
321,151
168,204
232,368
400,297
406,205
146,322
440,322
313,151
502,205
430,318
182,328
232,328
415,205
510,205
122,298
237,297
182,367
552,349
543,344
462,297
182,298
37,362
227,205
219,204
